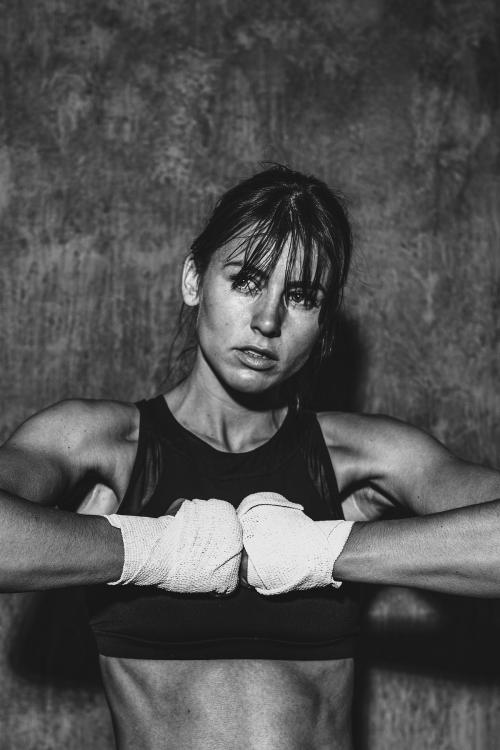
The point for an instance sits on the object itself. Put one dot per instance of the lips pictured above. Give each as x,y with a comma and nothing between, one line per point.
257,358
259,351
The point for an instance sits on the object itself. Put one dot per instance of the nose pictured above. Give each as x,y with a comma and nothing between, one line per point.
267,314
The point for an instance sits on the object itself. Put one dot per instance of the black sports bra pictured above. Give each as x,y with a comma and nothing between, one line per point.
171,462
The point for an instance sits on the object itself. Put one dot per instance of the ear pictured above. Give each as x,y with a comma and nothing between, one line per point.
190,282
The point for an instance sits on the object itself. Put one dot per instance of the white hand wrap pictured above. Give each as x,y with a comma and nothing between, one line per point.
196,551
286,549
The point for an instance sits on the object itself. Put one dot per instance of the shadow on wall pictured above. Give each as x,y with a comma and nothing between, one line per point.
460,645
54,644
459,641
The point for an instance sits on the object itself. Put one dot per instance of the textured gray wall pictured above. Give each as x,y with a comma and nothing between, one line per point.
122,121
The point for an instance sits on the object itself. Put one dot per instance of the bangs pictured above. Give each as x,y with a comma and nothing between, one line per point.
309,257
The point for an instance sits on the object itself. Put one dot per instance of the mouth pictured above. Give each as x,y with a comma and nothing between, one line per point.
259,351
257,357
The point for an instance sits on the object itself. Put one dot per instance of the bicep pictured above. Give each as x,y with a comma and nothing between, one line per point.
47,456
25,473
394,468
422,476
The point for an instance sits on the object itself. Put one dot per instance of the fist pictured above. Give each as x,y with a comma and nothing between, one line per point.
287,550
172,510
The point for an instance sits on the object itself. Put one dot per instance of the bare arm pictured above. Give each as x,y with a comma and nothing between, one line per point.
384,466
453,547
456,551
40,465
42,548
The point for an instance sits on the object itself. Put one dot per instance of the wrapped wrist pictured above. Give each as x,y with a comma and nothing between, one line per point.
196,551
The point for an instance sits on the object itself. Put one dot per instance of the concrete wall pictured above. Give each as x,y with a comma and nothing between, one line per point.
122,121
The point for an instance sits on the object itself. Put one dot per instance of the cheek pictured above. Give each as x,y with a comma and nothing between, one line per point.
218,313
300,343
303,335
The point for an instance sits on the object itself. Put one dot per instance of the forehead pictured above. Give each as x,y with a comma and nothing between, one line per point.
288,257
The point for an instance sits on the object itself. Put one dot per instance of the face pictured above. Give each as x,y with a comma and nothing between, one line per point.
253,332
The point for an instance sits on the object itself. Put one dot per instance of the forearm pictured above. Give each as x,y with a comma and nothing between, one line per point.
42,548
457,551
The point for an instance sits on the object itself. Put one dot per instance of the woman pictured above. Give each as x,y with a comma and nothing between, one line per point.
268,664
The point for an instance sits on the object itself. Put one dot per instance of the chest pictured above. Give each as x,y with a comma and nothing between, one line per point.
180,475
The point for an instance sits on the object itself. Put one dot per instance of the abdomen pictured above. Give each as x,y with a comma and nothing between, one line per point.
233,703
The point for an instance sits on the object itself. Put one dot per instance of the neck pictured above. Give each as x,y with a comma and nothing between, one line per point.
226,419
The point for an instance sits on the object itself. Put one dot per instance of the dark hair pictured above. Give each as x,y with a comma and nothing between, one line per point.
276,206
270,209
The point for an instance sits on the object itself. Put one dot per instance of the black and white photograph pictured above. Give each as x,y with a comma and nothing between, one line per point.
250,392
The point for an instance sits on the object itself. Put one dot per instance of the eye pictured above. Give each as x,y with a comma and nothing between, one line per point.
306,298
245,283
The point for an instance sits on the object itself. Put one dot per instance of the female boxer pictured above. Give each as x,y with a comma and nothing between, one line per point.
190,658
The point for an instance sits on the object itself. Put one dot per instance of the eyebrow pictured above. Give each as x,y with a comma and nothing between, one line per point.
253,269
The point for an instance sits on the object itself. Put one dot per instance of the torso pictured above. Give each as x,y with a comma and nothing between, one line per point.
225,703
255,703
244,704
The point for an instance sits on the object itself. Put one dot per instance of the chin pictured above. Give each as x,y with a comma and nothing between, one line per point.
251,385
249,382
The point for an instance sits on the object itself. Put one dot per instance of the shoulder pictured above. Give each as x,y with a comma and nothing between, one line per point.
367,429
380,450
73,423
62,443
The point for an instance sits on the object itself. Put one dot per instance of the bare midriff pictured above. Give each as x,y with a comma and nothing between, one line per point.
230,704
